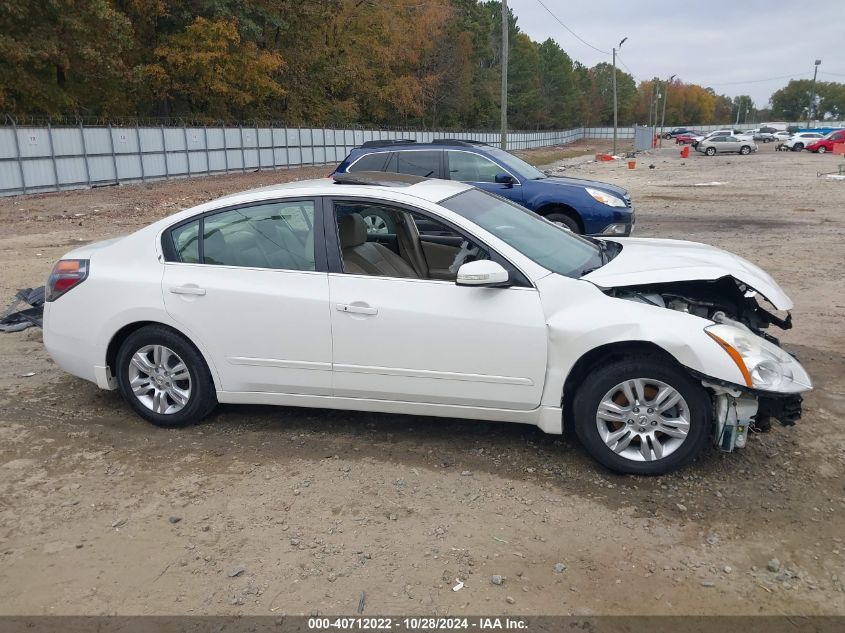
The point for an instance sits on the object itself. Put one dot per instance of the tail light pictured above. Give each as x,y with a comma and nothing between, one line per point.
66,274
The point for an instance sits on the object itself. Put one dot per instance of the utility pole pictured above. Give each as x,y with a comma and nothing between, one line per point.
813,93
663,117
615,106
504,139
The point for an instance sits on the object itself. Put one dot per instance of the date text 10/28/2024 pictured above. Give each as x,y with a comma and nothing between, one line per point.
416,624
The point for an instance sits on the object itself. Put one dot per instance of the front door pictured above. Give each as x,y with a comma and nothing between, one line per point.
421,339
246,284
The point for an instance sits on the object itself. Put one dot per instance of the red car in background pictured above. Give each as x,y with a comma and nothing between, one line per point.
826,144
686,139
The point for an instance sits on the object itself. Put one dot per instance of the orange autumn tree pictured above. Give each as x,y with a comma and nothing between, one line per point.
207,68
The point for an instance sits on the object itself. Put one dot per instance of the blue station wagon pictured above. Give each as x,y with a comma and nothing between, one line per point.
583,206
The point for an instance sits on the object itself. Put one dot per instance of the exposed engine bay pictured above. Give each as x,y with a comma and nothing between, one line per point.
737,411
724,300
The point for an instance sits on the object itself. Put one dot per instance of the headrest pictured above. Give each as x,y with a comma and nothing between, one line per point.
352,230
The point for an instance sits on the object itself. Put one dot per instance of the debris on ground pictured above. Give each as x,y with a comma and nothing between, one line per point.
14,320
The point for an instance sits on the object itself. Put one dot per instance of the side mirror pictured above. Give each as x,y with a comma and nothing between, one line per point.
504,179
482,273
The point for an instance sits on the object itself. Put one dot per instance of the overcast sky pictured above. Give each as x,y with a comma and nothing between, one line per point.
734,46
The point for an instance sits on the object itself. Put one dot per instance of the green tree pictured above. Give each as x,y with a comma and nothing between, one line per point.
63,57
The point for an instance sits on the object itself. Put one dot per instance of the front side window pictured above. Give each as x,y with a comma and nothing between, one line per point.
276,235
546,244
468,167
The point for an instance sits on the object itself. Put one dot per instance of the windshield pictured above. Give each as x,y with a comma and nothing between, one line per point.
544,243
515,164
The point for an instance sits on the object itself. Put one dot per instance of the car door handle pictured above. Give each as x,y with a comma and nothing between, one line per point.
187,290
356,308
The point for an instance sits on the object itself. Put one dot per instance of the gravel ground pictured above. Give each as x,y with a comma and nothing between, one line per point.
264,510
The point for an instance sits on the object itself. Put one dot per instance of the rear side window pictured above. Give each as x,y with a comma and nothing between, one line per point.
187,243
277,235
419,163
371,162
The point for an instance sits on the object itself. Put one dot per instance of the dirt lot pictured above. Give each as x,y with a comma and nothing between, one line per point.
271,511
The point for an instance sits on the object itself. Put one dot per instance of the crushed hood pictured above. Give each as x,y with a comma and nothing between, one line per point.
646,261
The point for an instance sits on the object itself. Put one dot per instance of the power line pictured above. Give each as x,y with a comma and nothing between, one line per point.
824,72
570,30
753,81
622,61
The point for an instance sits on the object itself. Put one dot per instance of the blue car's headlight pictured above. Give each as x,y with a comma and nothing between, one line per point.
605,198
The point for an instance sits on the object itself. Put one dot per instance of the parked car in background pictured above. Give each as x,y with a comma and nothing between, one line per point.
781,135
583,206
675,132
726,132
726,144
764,137
799,141
686,139
650,349
825,144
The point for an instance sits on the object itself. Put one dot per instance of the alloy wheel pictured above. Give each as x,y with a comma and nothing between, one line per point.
160,379
376,224
643,419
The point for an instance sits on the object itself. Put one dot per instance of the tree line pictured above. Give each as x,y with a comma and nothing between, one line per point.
431,63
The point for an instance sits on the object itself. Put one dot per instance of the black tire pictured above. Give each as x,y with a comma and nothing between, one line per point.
667,136
564,220
600,381
710,151
798,147
822,149
745,150
202,399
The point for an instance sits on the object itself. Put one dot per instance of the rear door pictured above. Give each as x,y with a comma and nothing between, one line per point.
249,284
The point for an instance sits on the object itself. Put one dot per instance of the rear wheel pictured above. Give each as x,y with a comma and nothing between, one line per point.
164,378
642,416
798,147
567,222
745,150
710,151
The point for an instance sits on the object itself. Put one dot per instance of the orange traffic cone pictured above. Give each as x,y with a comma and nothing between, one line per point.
685,152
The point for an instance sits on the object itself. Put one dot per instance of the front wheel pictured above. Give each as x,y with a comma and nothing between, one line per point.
164,378
745,150
822,149
565,221
642,416
710,151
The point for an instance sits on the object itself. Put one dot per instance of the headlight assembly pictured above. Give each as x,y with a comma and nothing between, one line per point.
605,198
763,365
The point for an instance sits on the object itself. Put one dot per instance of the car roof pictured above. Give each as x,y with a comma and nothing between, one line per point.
429,189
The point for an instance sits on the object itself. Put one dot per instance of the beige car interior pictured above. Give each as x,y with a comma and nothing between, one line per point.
418,258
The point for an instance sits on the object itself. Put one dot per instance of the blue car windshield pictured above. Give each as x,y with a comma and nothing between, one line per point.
546,244
515,164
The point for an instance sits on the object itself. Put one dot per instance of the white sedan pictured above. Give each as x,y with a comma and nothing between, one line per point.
648,348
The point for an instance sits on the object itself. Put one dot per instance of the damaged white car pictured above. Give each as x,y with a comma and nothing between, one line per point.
472,308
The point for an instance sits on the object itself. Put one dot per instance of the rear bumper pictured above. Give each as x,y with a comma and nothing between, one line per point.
73,354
